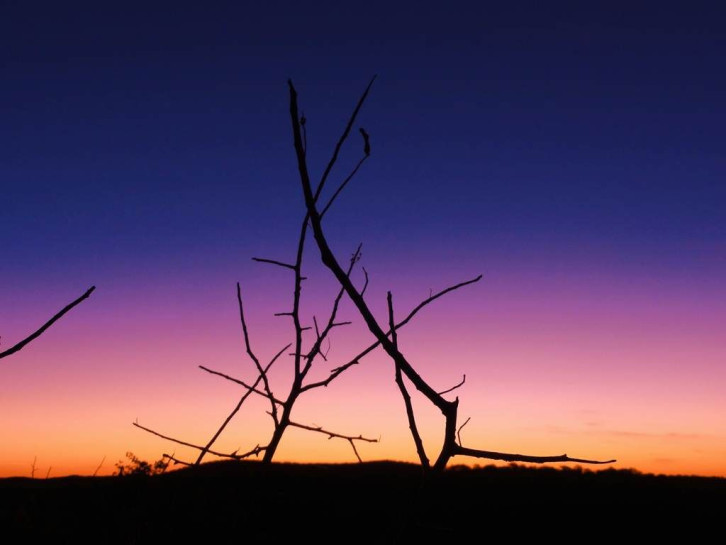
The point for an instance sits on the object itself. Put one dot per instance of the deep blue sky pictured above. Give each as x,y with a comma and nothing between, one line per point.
143,131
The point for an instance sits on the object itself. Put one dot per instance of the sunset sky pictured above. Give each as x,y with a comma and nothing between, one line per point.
571,153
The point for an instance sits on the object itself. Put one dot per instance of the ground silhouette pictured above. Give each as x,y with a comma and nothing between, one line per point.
372,502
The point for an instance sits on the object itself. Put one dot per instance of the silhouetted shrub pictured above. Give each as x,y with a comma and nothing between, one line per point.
136,466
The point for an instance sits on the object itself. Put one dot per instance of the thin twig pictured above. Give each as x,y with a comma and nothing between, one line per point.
342,185
507,457
99,466
365,284
237,408
254,452
463,380
341,140
321,336
46,325
274,262
252,355
333,435
243,384
420,450
458,432
176,460
336,372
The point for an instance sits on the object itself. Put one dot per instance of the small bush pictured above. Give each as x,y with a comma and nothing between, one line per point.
136,466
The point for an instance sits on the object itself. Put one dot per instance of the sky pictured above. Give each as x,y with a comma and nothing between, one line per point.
569,152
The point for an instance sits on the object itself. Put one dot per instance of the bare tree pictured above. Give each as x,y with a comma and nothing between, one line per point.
20,345
307,352
304,354
303,360
387,337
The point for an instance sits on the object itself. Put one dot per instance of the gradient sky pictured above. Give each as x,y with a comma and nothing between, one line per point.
572,153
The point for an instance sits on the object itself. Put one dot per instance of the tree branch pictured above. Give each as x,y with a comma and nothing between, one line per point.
46,325
333,435
334,373
321,336
236,408
404,393
342,186
260,370
271,397
463,380
254,452
175,460
274,262
476,453
449,409
458,432
341,140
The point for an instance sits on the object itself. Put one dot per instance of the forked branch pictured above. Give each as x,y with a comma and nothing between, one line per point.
237,407
332,435
449,409
234,455
248,387
420,450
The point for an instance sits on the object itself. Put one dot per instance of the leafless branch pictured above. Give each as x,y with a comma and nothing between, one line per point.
404,392
237,407
243,384
449,409
46,325
366,142
336,372
341,140
274,262
365,284
260,370
458,432
317,330
321,336
99,466
332,435
463,380
254,452
342,185
490,455
304,131
175,460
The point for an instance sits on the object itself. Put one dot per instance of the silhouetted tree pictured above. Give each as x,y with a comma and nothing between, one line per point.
303,360
20,345
387,336
304,357
281,408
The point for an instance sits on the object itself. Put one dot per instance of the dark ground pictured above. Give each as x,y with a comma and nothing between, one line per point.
375,502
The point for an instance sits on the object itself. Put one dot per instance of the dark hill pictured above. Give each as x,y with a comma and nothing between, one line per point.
374,502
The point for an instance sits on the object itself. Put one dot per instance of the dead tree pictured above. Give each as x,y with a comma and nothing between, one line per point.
304,357
37,333
386,336
303,361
